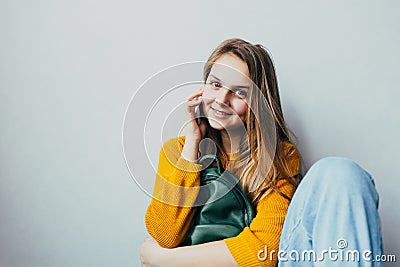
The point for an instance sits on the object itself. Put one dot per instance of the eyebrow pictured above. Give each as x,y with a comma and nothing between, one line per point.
233,86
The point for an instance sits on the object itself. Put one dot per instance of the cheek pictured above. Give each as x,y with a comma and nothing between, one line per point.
240,109
207,97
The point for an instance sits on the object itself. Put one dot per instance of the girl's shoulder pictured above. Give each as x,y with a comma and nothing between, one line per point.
289,148
290,151
293,157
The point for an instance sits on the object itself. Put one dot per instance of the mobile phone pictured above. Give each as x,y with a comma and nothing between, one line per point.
198,111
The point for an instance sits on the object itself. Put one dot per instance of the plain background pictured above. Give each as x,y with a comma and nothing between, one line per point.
68,70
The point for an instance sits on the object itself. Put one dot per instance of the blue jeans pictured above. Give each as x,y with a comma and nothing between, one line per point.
333,218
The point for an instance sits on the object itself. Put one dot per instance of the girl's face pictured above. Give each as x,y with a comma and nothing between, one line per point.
226,92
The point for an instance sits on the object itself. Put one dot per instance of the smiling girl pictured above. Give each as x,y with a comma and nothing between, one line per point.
253,142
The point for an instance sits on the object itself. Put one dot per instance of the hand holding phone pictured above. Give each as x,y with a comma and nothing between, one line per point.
194,107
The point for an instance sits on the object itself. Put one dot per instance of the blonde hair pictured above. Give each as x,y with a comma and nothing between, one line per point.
257,179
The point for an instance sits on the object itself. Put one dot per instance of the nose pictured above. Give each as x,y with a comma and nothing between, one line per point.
222,98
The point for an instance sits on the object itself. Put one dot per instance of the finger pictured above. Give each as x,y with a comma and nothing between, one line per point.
194,102
196,95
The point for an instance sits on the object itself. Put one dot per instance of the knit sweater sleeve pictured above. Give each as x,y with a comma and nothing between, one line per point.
175,190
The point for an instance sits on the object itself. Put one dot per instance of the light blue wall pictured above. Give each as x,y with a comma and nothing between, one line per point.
69,68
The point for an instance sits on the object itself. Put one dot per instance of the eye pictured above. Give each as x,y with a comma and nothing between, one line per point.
240,93
216,84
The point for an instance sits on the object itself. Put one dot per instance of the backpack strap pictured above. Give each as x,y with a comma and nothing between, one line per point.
203,158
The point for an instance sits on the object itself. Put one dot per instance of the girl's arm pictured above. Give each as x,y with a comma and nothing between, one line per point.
177,183
169,214
213,254
256,245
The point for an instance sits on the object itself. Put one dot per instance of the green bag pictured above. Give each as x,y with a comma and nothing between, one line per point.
220,217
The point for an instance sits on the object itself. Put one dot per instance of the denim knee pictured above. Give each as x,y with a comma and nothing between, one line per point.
341,174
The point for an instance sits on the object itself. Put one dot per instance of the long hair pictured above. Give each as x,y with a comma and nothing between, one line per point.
257,178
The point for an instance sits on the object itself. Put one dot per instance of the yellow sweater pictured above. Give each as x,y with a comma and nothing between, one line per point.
168,223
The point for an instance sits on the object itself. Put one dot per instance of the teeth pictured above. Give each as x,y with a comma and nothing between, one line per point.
220,112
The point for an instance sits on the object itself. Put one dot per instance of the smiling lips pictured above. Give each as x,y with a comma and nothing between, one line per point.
220,113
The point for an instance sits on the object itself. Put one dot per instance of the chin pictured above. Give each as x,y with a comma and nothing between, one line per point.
215,125
230,128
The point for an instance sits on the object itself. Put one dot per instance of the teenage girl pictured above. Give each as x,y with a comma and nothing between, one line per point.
336,200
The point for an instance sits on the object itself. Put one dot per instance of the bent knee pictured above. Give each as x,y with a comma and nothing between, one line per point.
337,164
341,173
